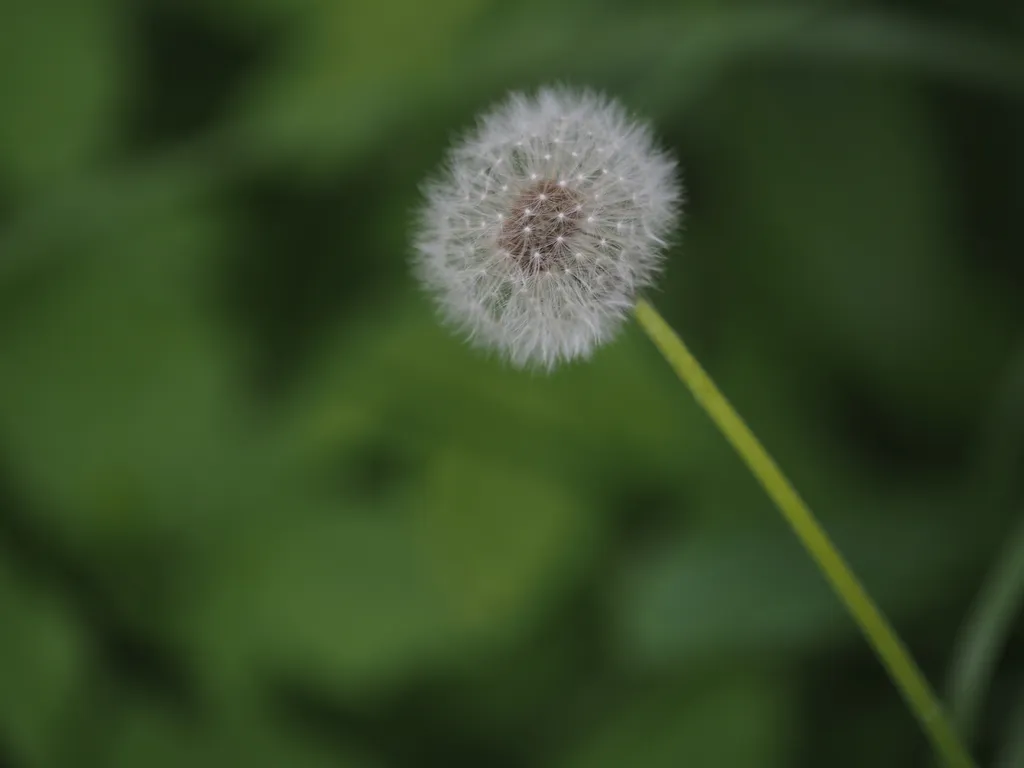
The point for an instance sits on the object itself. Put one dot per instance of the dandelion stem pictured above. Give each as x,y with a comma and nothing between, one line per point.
880,635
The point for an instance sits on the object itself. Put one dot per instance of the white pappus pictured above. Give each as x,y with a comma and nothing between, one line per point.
546,220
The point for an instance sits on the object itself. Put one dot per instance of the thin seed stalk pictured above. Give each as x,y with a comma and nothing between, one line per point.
878,632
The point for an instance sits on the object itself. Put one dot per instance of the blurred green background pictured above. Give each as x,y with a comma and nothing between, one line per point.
258,508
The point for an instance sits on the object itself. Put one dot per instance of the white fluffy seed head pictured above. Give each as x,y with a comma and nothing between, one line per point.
548,218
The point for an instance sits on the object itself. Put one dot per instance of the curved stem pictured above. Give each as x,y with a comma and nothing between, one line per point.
984,634
904,672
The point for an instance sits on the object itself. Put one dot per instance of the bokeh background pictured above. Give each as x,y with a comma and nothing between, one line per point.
258,508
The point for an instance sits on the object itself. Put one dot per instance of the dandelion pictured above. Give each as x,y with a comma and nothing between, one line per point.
546,221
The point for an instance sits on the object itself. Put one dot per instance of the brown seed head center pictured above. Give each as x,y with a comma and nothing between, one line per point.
537,229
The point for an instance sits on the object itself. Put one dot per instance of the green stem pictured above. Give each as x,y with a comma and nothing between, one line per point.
984,634
876,629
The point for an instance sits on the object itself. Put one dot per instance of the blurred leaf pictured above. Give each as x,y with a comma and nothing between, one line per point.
42,664
256,15
739,723
848,243
96,209
352,66
499,540
952,53
1011,754
339,93
134,730
122,421
985,634
357,598
340,600
315,110
756,591
112,377
699,49
61,68
615,416
996,479
998,450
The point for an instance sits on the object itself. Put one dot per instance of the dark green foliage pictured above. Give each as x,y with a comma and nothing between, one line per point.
258,508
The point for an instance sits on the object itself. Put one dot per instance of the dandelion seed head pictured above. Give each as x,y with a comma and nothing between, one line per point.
545,222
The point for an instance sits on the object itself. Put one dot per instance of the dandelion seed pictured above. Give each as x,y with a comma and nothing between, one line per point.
573,164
